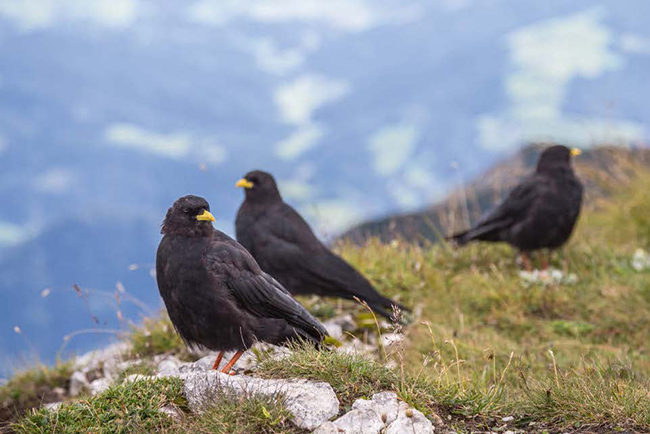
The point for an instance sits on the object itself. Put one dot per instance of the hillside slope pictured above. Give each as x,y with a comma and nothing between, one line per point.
490,348
602,170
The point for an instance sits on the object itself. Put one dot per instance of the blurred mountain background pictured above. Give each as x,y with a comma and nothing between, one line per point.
109,111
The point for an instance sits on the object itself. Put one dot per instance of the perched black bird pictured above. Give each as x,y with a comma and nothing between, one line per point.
216,295
540,212
285,247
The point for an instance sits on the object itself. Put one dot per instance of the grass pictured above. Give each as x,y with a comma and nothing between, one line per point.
31,388
127,408
571,356
134,407
157,336
244,414
580,351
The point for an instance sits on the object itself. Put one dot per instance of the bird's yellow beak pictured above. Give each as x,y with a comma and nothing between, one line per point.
245,183
205,216
576,151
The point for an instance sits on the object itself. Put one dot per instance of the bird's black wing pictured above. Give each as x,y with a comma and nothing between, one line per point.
255,291
509,212
290,245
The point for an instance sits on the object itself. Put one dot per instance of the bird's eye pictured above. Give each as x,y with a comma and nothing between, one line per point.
186,210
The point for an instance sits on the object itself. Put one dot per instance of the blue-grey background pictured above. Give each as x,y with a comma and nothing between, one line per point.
109,110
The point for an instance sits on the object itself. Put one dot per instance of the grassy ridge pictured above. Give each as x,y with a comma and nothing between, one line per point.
577,354
572,356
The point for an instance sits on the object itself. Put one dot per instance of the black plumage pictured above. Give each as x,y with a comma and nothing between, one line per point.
284,245
215,293
540,212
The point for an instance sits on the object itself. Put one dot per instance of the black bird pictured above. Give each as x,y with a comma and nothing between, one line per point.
216,295
540,212
285,247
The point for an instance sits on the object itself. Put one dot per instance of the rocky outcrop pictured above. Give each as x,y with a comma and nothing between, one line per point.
383,414
310,403
314,405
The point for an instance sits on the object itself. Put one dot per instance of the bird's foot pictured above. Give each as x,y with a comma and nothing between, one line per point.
527,264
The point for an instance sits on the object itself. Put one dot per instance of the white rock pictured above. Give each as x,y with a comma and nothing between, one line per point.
333,329
168,366
99,385
410,420
508,418
360,421
347,322
356,347
310,403
552,276
327,428
640,260
59,391
137,377
53,406
172,411
390,339
385,404
114,367
93,359
78,383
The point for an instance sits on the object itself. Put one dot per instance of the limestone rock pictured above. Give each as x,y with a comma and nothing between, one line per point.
327,428
391,339
410,420
96,358
310,403
168,366
78,383
173,411
360,421
99,385
385,404
383,413
53,406
333,329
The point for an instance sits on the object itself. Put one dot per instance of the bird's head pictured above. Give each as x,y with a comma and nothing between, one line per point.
189,216
259,186
556,156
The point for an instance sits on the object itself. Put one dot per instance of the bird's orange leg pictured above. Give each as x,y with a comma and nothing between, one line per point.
231,363
544,260
526,261
217,361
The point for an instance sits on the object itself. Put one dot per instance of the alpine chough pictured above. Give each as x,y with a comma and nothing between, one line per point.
540,212
216,295
285,247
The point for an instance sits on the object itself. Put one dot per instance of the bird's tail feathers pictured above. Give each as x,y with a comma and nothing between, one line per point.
459,239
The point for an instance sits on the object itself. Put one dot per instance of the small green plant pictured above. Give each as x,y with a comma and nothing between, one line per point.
131,407
32,387
158,336
245,414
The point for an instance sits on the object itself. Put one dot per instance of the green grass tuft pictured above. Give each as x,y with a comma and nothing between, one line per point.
158,336
244,414
32,387
131,407
134,408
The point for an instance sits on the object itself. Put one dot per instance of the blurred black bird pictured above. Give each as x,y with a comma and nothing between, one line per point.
285,247
539,213
216,295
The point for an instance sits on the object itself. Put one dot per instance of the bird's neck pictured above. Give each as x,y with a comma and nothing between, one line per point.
264,201
555,170
198,231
